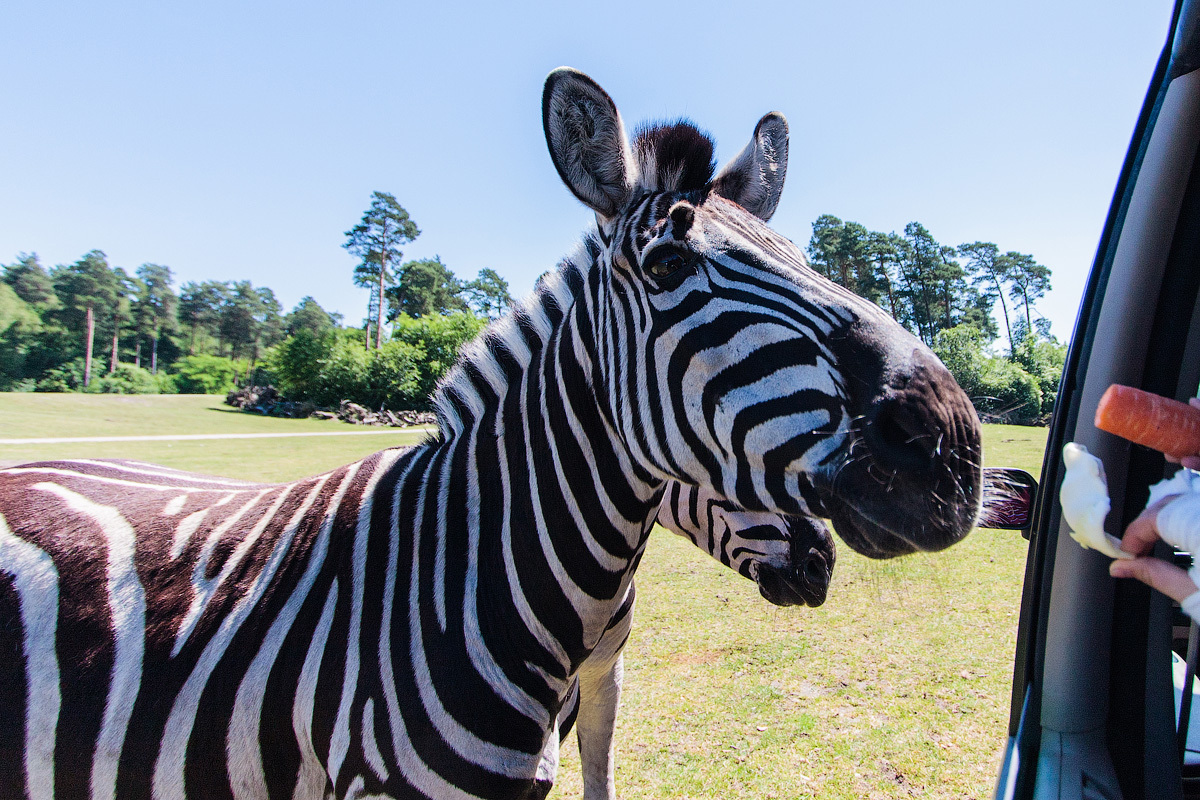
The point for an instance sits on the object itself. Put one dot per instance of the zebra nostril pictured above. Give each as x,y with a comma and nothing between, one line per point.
899,440
814,570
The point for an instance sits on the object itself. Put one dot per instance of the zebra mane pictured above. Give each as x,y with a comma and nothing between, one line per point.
673,157
528,318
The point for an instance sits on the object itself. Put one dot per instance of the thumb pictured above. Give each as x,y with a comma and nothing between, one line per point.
1166,578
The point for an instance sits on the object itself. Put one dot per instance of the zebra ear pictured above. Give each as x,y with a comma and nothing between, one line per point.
754,178
587,141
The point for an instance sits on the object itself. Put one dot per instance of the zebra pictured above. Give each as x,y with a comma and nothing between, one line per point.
791,564
791,559
411,625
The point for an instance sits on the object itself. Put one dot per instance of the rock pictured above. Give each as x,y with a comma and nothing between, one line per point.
359,415
267,400
407,418
253,397
353,412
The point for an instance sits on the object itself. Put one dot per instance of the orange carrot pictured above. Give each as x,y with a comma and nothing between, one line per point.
1157,422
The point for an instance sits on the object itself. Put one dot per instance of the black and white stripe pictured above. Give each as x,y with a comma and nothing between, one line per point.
792,563
412,625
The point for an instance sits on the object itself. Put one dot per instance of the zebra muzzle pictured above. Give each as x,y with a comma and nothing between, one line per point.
804,581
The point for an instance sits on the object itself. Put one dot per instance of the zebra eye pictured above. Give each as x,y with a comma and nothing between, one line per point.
665,262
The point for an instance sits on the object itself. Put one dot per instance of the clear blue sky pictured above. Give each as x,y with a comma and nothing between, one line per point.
232,140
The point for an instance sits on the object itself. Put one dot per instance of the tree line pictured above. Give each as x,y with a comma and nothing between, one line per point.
92,326
947,296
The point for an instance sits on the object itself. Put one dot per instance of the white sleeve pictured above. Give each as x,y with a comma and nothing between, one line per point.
1184,481
1179,526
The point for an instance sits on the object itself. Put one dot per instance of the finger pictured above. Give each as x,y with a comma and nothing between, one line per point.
1166,578
1142,533
1191,462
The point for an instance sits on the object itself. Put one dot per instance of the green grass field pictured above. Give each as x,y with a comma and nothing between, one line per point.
897,687
86,415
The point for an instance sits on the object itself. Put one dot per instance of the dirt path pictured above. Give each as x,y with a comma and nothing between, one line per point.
185,437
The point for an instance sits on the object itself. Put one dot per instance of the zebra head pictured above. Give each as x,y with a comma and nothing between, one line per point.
723,361
790,558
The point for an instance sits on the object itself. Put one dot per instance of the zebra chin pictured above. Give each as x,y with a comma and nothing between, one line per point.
804,579
900,512
873,539
807,585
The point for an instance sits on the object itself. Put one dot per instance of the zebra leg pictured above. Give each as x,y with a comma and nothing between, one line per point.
599,696
603,690
548,767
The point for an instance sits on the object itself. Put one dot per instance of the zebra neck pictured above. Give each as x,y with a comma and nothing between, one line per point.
530,460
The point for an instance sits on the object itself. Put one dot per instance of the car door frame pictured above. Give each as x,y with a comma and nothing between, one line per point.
1074,731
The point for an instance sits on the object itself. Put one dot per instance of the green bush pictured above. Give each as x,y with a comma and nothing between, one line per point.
262,373
166,383
394,377
440,338
1009,393
1043,358
1000,389
127,379
961,350
385,378
66,377
205,374
326,368
19,331
299,361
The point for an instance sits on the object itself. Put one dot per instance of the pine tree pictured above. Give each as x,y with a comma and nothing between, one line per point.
376,241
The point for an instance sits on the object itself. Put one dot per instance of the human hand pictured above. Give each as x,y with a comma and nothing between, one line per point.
1190,462
1139,540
